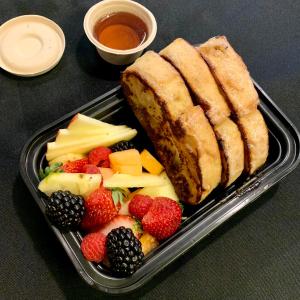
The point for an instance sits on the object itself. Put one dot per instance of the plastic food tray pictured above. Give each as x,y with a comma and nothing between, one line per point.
201,220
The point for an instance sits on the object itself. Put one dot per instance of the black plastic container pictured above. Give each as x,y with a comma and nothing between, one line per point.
201,220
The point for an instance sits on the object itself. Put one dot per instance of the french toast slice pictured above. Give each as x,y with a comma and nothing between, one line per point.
196,74
231,143
159,97
255,132
206,92
231,73
200,136
145,95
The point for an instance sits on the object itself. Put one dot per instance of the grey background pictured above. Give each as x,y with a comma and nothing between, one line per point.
253,256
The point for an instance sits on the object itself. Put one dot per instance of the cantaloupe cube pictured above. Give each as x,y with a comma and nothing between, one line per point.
150,163
106,172
128,169
126,157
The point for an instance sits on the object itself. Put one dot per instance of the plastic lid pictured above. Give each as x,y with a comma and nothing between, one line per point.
30,45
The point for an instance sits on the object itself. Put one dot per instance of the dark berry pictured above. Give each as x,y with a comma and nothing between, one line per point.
65,210
124,145
124,251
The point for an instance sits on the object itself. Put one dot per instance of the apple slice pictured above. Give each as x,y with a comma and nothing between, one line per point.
54,150
76,183
66,136
131,181
80,121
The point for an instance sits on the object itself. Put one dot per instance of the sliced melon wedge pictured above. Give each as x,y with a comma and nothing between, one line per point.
131,181
164,190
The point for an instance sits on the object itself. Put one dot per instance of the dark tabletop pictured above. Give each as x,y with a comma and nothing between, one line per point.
255,255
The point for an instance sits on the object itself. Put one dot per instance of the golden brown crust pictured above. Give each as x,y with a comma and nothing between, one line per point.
231,73
231,142
173,95
185,58
256,139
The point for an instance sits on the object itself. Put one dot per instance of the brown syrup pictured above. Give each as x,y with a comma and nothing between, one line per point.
121,31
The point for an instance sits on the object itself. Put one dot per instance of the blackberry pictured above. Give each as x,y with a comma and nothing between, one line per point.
65,210
123,145
124,251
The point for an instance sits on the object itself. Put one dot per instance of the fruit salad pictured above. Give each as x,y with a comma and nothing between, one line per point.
120,199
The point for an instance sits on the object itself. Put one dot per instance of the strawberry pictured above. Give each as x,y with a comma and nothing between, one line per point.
120,220
100,209
163,218
139,205
99,157
90,169
93,247
75,166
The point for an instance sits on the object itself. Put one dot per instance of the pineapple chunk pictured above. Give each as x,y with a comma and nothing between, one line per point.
130,181
150,163
76,183
66,158
54,150
148,242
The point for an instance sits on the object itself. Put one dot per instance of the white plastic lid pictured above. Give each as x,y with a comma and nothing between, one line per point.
30,45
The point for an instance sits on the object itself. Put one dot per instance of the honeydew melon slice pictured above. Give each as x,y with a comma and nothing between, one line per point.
76,183
165,190
131,181
85,145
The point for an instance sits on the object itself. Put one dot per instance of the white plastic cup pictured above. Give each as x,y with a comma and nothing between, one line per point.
106,7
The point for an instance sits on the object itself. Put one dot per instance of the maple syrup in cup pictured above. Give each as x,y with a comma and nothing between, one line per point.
120,30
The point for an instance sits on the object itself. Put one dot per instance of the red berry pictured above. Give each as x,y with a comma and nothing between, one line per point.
75,166
93,246
90,169
100,209
163,218
99,157
139,205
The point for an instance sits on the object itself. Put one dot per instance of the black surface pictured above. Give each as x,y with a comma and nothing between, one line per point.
254,256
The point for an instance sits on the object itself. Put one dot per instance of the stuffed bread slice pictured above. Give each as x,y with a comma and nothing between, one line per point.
206,92
148,85
232,75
